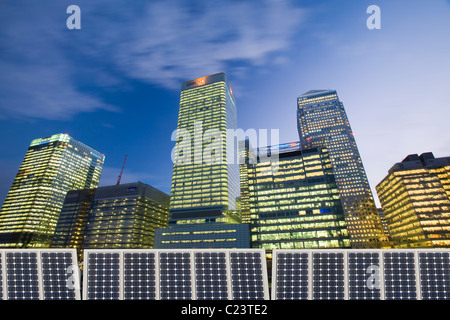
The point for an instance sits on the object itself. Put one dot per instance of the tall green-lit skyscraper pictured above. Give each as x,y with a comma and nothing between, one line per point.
204,181
51,167
322,121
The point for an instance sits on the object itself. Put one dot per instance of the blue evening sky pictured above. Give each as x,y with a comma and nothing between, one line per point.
115,83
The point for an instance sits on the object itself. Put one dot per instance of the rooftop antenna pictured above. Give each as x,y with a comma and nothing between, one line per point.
121,171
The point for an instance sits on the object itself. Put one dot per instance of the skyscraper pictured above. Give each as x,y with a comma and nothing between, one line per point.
415,197
294,203
51,167
204,182
322,121
205,179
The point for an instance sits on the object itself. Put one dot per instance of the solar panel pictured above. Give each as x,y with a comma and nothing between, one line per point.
175,275
103,276
364,276
58,276
247,278
399,276
211,276
328,276
139,276
22,275
434,275
291,276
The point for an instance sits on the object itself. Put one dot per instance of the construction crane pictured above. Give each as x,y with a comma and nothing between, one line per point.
121,171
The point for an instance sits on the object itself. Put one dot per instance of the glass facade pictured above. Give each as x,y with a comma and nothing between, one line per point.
202,175
322,121
72,222
415,199
52,166
126,216
294,202
205,194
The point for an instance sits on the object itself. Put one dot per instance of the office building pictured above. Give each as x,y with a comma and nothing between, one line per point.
415,197
205,179
202,175
52,166
322,121
294,202
71,226
125,216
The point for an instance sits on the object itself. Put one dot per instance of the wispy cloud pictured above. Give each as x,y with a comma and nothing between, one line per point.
158,42
176,40
36,78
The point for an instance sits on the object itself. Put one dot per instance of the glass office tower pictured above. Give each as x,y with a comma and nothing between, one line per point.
294,202
205,179
322,121
51,167
415,197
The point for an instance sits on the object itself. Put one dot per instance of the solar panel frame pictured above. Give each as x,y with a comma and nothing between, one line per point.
66,276
337,280
205,272
92,279
159,295
440,279
365,281
400,275
247,278
277,275
37,276
415,272
146,277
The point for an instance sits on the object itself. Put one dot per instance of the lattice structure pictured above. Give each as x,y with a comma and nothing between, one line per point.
39,274
350,274
197,274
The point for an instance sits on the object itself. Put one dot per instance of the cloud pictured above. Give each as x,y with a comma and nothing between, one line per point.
49,72
36,79
171,41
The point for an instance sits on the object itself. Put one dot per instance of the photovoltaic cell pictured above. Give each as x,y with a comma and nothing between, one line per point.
57,276
103,276
328,276
246,275
364,276
22,276
292,276
399,276
211,276
175,275
139,276
434,275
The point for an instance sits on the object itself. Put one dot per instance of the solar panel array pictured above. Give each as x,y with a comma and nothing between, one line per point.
197,274
39,274
226,274
350,274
